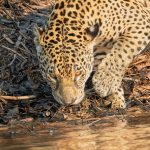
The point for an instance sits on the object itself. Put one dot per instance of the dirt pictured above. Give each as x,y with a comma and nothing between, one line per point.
24,95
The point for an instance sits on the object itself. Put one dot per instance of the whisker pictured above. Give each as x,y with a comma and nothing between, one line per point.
89,90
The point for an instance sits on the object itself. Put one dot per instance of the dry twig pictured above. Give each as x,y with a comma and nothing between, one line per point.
18,98
12,50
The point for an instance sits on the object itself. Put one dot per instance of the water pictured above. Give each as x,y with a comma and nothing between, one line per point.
110,133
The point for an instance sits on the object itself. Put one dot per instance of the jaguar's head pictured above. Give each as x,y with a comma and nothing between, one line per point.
65,53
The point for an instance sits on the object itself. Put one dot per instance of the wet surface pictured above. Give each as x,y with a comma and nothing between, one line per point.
113,133
20,76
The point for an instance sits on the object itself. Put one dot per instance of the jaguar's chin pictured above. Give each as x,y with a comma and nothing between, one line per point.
79,100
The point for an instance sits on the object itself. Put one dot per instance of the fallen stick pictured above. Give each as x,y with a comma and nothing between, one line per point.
144,97
12,50
17,98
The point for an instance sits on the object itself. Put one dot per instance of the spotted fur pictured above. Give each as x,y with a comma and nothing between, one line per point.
81,31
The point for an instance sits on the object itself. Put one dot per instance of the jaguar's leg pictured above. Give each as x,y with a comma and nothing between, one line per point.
110,72
99,54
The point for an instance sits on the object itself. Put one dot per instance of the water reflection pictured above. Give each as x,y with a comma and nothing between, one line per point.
106,134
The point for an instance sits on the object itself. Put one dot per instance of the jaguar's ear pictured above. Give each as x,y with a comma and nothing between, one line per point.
38,38
52,2
38,33
93,30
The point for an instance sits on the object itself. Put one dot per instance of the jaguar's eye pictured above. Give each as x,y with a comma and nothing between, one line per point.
93,30
78,73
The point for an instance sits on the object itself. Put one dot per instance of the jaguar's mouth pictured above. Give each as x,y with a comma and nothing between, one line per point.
69,98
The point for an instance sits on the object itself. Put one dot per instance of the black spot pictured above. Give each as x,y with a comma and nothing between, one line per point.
120,55
139,42
73,28
73,21
54,16
72,60
57,6
53,41
47,37
61,5
57,29
71,41
87,8
55,61
51,33
78,36
71,34
62,13
66,20
77,7
70,6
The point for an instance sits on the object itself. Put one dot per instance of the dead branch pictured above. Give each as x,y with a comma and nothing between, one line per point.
12,50
144,97
14,58
17,98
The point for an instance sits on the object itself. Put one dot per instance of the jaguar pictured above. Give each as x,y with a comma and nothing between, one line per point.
83,33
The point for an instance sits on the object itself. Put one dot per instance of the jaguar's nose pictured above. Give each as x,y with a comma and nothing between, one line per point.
67,95
68,101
